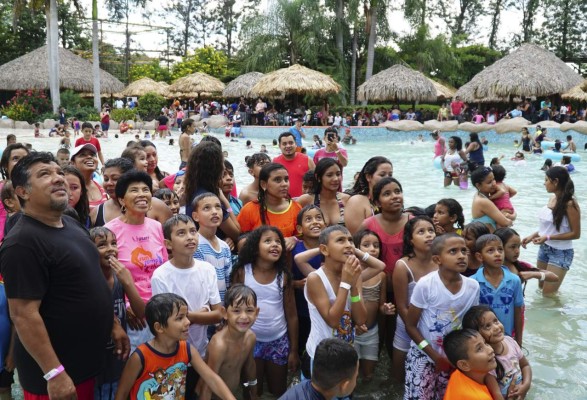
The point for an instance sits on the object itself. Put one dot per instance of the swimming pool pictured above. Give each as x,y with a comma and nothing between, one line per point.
555,335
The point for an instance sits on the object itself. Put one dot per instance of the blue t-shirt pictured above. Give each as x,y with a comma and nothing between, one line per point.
502,299
301,302
297,135
302,391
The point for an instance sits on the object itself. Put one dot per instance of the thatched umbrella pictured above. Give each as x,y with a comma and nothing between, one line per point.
528,71
577,93
195,84
397,83
143,86
242,86
296,79
31,71
443,92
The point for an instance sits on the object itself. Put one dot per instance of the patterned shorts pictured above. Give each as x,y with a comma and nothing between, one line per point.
422,380
276,351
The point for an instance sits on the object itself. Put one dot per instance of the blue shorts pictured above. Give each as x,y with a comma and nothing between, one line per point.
558,258
276,351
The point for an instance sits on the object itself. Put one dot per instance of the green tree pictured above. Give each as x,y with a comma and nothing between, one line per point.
151,70
564,27
191,24
472,59
228,18
206,59
20,38
461,21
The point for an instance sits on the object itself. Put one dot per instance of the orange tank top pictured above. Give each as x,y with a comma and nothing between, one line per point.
163,375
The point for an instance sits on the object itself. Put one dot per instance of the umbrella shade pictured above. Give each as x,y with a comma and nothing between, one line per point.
397,83
143,86
528,71
242,86
577,93
31,71
195,83
296,79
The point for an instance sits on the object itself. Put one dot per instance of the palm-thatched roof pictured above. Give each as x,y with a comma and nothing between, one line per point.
242,86
196,83
528,71
397,83
31,71
443,92
143,86
296,79
578,93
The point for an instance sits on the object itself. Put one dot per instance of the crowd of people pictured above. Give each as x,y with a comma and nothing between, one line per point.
117,289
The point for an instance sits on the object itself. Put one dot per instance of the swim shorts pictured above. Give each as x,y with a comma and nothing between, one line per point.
276,351
557,257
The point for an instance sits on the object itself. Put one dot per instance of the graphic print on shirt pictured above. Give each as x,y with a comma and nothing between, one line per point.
505,294
144,259
345,330
444,322
166,384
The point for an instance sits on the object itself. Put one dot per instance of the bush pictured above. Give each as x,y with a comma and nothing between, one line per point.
84,113
123,114
19,112
26,105
150,105
70,100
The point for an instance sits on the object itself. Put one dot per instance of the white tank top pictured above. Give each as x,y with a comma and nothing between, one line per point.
270,324
450,158
547,227
319,328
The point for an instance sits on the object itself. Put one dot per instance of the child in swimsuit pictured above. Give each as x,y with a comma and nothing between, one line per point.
501,198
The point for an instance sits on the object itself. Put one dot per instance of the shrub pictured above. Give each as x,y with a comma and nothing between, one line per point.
123,114
26,105
70,100
150,105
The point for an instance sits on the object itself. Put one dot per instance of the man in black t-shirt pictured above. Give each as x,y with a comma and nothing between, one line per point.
59,301
162,128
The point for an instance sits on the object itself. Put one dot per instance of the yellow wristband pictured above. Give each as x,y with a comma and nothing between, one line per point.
355,299
423,344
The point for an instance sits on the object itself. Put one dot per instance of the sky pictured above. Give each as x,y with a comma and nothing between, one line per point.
155,40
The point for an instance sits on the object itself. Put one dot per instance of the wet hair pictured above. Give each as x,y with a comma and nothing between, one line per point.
132,152
547,164
264,176
63,151
165,194
174,221
321,168
479,174
213,139
204,169
415,211
499,172
566,189
475,228
70,212
456,344
474,137
4,160
123,164
161,307
239,294
228,165
303,211
381,184
10,137
439,242
325,234
250,161
454,208
100,232
83,205
484,240
458,142
361,185
201,197
186,123
130,177
361,233
7,193
409,233
332,352
472,320
285,134
147,143
566,160
249,253
87,125
21,171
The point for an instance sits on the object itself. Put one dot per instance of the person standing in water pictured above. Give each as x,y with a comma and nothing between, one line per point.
439,145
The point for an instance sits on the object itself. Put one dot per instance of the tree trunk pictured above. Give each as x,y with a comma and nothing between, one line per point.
53,53
339,27
354,68
96,56
528,19
372,40
495,23
565,30
229,28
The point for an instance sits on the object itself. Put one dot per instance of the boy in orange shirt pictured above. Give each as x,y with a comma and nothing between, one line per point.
466,349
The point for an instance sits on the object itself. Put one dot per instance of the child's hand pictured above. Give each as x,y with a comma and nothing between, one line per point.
388,308
9,362
518,391
293,361
527,240
134,323
290,243
299,284
351,270
439,229
122,273
361,329
230,243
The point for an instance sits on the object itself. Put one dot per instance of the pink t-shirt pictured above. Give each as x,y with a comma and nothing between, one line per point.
141,248
392,246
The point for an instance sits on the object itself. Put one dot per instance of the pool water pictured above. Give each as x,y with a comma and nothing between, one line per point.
555,334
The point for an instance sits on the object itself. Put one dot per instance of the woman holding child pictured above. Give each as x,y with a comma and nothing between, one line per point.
483,209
